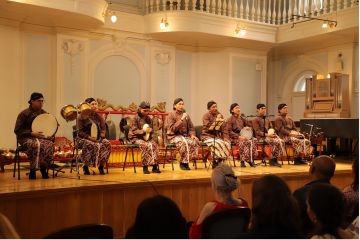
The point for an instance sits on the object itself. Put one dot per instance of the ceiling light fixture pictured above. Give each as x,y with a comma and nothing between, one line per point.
112,14
326,22
164,24
240,31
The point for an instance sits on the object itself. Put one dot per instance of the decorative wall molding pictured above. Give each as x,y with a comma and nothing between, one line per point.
163,57
72,47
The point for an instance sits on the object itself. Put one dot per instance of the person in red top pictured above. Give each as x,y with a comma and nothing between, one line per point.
224,182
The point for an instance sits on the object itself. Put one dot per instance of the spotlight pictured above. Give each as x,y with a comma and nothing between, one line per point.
325,25
113,18
240,31
164,24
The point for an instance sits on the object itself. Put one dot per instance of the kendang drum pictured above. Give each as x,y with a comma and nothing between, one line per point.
84,108
46,124
69,112
271,132
246,132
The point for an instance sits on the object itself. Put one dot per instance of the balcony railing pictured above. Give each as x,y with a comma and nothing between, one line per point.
275,12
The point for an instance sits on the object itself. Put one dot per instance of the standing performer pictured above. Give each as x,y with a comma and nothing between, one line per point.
39,149
285,126
215,138
261,126
234,124
94,150
181,132
140,133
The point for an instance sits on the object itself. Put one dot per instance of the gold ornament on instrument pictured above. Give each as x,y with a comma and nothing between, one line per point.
69,112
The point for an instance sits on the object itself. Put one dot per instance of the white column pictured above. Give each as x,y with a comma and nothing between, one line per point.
157,5
194,5
207,4
332,6
338,5
147,6
235,9
263,12
278,17
229,8
289,12
269,11
241,7
312,7
253,10
201,5
284,11
274,12
213,6
325,5
307,10
295,8
301,7
247,10
258,12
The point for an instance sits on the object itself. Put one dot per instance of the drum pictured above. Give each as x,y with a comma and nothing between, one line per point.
271,132
46,124
84,108
146,128
246,132
69,112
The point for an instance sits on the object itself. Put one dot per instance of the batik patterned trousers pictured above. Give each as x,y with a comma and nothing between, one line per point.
188,148
277,146
221,147
149,152
247,149
300,145
39,151
95,153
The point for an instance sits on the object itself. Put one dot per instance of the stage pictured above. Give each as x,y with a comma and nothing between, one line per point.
39,207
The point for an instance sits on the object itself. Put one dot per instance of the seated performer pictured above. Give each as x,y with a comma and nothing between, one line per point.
94,150
234,124
261,125
222,147
181,132
140,133
285,127
39,149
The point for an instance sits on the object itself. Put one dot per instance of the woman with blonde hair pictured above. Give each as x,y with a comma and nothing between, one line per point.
223,182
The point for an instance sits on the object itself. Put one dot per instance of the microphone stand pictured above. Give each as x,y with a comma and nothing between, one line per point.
263,144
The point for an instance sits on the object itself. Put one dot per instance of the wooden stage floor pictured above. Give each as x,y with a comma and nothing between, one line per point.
42,206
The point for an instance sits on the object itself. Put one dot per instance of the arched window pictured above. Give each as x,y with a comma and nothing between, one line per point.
300,85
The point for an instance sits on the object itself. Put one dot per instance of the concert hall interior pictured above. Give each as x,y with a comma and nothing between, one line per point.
135,56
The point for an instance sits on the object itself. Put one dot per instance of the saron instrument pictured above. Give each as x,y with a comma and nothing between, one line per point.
46,124
69,112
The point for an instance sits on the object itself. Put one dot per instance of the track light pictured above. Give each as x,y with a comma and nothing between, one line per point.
326,22
240,31
164,24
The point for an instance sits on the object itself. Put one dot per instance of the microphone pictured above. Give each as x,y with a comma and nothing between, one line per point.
310,125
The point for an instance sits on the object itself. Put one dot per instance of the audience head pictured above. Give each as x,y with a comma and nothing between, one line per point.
273,204
325,208
223,179
355,169
323,167
7,230
158,217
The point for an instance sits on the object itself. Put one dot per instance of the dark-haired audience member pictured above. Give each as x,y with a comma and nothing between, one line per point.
321,171
325,208
224,182
275,212
351,194
158,217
